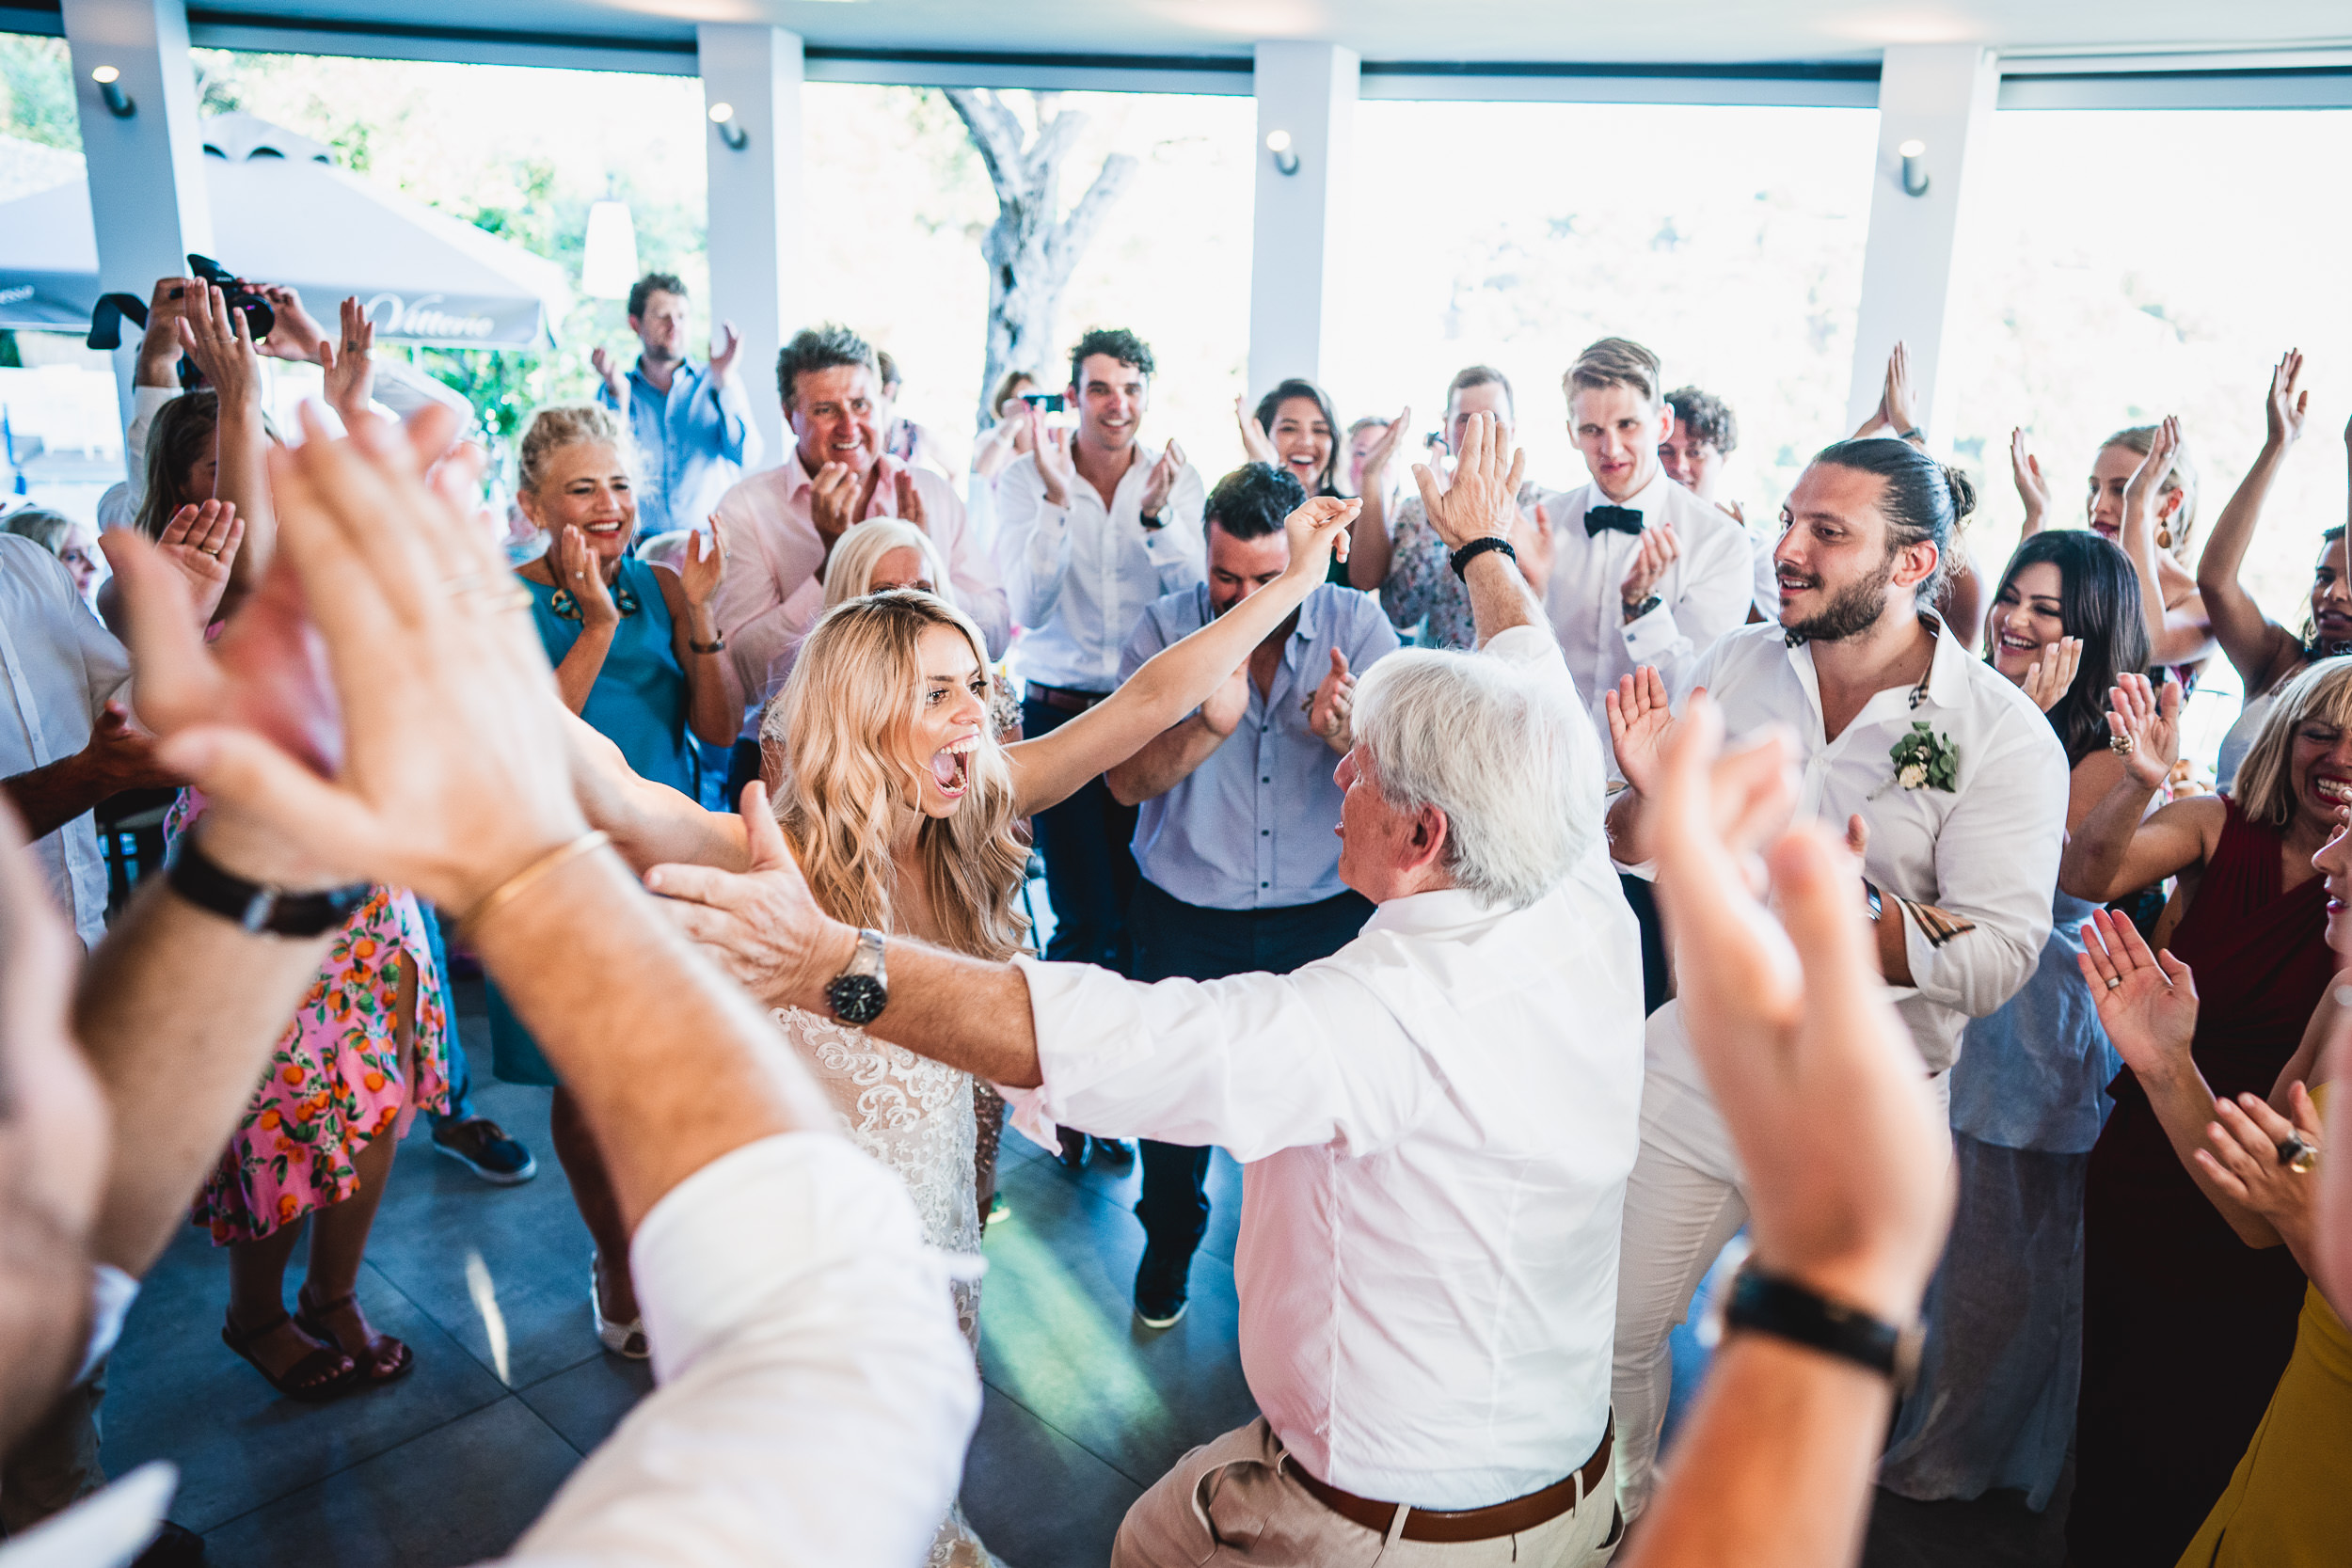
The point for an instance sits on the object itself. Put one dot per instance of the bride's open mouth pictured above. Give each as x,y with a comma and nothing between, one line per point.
951,766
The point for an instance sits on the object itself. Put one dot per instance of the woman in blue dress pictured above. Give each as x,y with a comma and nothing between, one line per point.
1993,1407
636,652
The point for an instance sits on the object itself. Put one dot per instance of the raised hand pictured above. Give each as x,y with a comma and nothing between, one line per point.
2286,407
1538,547
1318,534
1657,550
1331,712
297,335
833,501
1223,709
447,780
1256,445
1895,399
1162,479
910,499
1640,726
1481,498
159,346
580,570
2053,672
2247,1135
2148,725
1383,450
760,924
351,365
2147,481
200,544
1785,1011
2032,489
704,564
1054,469
221,342
2147,1001
723,352
609,369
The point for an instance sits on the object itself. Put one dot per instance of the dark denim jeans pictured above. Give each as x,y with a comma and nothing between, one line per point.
1089,866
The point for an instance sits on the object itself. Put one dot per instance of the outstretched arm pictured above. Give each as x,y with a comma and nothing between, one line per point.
1368,561
1049,769
2258,647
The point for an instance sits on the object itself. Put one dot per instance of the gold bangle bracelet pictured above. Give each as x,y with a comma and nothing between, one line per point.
514,887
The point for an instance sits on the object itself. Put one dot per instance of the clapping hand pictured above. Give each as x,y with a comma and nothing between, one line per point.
1384,449
609,370
2288,406
704,564
1331,712
1537,547
1656,549
1054,468
1482,500
1256,445
2147,481
221,342
2032,489
723,352
351,368
2147,1001
582,570
2147,726
1847,1159
910,497
2053,672
1894,410
1162,481
2247,1135
833,501
200,544
1640,726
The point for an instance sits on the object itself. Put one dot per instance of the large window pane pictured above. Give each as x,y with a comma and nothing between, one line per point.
1730,240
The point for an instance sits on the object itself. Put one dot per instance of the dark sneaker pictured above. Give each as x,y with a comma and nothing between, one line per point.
1073,1153
482,1147
174,1547
1114,1150
1163,1288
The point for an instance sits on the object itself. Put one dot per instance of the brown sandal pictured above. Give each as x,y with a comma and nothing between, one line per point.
297,1381
388,1359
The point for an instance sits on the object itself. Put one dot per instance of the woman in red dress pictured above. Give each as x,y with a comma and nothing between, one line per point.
2186,1329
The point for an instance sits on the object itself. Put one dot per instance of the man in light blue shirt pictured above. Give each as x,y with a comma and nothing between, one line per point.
1235,839
691,426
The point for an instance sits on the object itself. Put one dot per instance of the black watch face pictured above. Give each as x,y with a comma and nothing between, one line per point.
857,998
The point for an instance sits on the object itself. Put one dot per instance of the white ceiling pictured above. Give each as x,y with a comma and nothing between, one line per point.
1678,31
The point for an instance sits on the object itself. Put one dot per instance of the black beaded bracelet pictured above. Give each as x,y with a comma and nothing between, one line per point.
1461,559
198,879
1768,1304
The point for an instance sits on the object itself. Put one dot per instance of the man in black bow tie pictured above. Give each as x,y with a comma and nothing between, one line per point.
1633,568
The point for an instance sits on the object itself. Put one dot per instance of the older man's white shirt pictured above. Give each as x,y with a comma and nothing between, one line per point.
1437,1124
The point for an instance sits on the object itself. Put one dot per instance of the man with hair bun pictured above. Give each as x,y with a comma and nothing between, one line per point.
1240,871
1946,777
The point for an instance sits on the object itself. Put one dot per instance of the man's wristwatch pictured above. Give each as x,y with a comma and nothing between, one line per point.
859,993
1151,522
1769,1304
197,879
1636,610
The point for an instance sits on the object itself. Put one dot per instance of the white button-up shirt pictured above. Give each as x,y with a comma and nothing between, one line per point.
60,668
813,1394
1986,853
771,595
1081,574
1703,591
1437,1123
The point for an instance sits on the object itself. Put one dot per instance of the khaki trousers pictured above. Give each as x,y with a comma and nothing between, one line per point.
1234,1501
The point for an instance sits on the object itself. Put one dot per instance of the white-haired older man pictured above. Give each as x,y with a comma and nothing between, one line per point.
1438,1120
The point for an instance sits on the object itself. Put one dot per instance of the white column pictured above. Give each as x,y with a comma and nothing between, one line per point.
1941,96
147,194
1308,93
755,233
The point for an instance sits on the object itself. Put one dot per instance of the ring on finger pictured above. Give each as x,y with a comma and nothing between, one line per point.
2298,1156
2121,745
2114,980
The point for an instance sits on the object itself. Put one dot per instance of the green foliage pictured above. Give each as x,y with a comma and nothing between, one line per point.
36,91
1924,759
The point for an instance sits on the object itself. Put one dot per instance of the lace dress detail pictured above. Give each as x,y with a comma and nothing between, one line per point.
916,1117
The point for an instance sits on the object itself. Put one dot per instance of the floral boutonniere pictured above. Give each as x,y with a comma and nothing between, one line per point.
1924,760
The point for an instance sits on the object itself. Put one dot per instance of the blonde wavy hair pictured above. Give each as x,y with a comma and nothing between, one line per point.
839,734
2265,785
849,574
564,425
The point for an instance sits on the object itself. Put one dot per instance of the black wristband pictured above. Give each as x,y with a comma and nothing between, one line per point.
1461,559
198,879
1767,1303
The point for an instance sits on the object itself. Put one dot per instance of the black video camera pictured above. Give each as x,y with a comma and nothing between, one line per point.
105,322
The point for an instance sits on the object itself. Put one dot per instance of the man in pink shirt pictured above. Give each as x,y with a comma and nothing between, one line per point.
780,526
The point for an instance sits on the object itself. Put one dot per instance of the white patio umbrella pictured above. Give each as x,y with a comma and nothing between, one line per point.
284,214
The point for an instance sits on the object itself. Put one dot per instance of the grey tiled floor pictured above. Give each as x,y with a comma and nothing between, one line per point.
1084,1407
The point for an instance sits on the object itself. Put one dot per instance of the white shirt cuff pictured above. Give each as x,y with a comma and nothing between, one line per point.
1649,638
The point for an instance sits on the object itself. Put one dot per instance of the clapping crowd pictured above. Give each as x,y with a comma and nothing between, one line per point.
1537,890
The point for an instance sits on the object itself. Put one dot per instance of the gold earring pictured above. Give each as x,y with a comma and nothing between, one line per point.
2164,538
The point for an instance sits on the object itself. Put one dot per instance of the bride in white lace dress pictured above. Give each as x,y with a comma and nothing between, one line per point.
905,814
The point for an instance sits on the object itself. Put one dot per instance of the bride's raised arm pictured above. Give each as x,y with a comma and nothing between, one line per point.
1178,679
650,824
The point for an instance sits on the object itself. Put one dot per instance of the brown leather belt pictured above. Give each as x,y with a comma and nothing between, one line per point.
1515,1517
1063,698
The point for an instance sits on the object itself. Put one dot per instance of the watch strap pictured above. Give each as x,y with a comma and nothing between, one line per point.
197,879
1461,559
1769,1304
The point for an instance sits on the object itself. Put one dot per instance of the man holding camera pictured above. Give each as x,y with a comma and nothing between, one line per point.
692,427
1092,526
